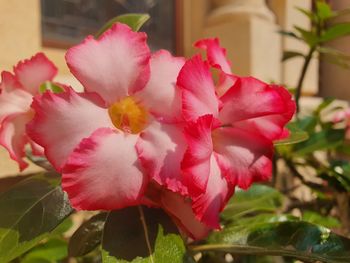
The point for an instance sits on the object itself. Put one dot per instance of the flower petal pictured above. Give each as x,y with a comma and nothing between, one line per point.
243,157
161,148
257,107
161,94
208,189
215,53
198,90
217,58
31,73
13,99
208,205
103,172
196,162
62,120
180,210
13,137
114,66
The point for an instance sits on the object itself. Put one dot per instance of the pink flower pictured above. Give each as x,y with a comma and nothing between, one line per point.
16,95
230,131
94,138
343,117
120,142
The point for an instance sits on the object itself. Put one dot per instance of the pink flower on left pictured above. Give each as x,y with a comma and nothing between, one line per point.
16,93
95,136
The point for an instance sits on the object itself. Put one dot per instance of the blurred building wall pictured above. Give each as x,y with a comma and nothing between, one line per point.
334,80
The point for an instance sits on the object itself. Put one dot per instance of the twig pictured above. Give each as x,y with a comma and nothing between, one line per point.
145,230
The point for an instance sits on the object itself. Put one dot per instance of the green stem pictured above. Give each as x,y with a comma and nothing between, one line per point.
302,76
145,229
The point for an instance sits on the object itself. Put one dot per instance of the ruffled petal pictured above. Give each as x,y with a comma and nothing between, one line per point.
215,53
217,58
62,120
257,107
114,66
161,95
198,90
243,157
179,208
161,148
103,172
36,149
208,205
31,73
13,136
196,162
208,189
13,99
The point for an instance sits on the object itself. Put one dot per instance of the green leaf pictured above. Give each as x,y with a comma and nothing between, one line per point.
296,135
308,13
323,140
133,234
134,21
318,219
288,34
87,237
323,10
50,86
53,250
258,198
340,171
323,105
309,37
299,240
30,211
307,124
291,54
335,31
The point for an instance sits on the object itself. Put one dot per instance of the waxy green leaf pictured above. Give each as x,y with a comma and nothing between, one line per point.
336,31
258,198
31,210
299,240
87,237
296,135
134,21
141,234
323,140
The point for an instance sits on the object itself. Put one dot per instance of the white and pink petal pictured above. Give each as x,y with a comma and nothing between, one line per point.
115,65
198,89
196,162
215,53
103,172
243,157
33,72
208,205
160,149
62,120
179,208
13,99
161,95
257,107
13,136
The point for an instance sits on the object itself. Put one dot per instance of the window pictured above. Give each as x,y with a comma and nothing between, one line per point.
67,22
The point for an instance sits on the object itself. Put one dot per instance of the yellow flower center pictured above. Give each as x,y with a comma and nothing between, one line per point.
128,115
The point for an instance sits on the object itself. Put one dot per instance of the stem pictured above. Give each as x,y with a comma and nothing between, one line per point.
302,76
145,230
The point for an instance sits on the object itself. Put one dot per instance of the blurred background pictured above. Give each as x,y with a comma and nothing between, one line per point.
248,29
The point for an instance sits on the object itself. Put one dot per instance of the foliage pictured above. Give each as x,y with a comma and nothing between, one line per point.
324,28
